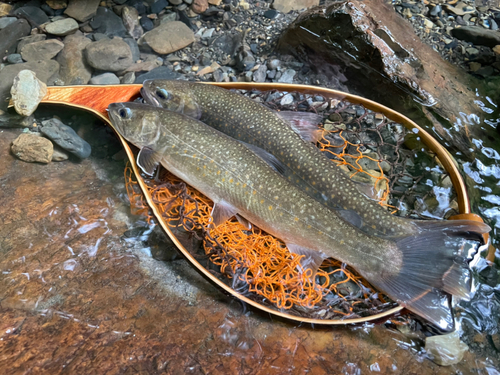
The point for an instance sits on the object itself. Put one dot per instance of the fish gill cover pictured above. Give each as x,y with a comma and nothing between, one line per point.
373,150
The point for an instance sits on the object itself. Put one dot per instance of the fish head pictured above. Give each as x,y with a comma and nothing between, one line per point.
175,96
137,123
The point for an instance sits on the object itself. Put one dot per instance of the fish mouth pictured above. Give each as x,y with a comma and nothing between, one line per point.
148,96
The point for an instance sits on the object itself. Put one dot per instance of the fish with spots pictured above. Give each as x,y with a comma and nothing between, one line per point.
287,136
241,184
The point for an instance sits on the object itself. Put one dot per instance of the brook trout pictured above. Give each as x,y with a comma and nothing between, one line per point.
413,270
278,134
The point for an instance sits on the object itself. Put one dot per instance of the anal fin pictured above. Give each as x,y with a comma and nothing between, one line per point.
222,212
312,259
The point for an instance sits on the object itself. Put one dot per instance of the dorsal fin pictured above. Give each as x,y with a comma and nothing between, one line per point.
305,124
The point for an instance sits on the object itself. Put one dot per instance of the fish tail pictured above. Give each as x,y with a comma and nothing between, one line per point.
431,267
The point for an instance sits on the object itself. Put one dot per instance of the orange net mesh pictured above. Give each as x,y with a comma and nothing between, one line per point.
255,258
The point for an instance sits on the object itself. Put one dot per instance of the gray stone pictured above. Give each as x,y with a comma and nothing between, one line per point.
6,21
260,74
45,70
82,10
27,92
175,2
286,99
43,50
10,35
109,55
15,58
162,72
30,39
287,76
32,148
207,34
74,68
286,6
65,137
477,35
446,350
274,64
128,78
34,15
59,154
107,22
168,37
11,119
134,48
169,17
62,27
105,79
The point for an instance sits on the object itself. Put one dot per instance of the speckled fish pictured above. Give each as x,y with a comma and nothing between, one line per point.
278,133
411,270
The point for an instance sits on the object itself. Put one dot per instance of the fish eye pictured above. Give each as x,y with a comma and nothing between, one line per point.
162,94
124,112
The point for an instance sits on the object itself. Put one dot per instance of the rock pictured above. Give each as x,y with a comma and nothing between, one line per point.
5,9
161,72
207,34
169,17
6,21
496,49
128,78
477,35
286,6
10,35
260,74
11,119
57,4
199,6
130,18
105,79
357,30
158,6
109,55
15,58
30,148
446,350
287,76
286,99
82,10
168,37
59,154
146,23
65,137
176,2
43,50
30,39
108,23
74,68
45,70
134,48
34,15
62,27
27,92
273,64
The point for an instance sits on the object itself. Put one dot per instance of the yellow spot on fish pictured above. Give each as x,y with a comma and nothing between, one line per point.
270,208
374,227
309,227
231,180
244,185
296,219
223,179
333,196
218,172
314,182
254,192
341,242
262,201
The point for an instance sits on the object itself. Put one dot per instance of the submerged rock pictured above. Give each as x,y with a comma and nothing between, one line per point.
167,38
105,79
82,10
62,27
366,44
27,92
477,35
43,50
74,67
446,350
15,120
10,35
32,148
286,6
65,137
109,55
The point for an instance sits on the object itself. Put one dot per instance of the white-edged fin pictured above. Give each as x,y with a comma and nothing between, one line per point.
312,259
434,306
367,190
304,124
222,212
244,222
270,159
466,228
457,281
148,160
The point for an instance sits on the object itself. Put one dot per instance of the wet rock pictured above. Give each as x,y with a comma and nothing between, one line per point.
5,9
57,4
260,74
10,35
74,68
62,27
158,6
496,49
130,17
287,76
81,10
286,6
6,21
168,37
162,72
34,15
11,119
199,6
477,35
134,48
65,137
31,148
128,78
27,92
146,23
105,79
30,39
43,50
370,34
15,58
108,23
59,154
446,350
109,55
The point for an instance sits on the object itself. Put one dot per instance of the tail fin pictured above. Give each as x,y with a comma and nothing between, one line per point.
431,266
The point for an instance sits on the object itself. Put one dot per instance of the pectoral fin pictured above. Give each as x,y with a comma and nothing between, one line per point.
312,259
148,160
222,212
304,124
244,222
270,159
